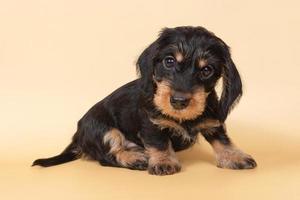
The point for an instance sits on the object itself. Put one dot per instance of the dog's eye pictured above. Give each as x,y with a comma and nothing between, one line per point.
169,62
207,71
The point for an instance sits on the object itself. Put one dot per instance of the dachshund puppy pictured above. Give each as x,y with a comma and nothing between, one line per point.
142,124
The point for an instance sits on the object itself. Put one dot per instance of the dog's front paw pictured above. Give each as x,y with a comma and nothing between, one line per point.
233,158
164,168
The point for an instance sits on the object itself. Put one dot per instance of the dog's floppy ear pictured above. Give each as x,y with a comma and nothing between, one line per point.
232,87
145,67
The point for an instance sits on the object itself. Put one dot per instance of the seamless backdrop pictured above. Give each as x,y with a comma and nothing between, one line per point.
59,57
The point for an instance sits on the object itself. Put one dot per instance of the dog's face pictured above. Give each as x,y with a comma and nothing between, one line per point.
183,66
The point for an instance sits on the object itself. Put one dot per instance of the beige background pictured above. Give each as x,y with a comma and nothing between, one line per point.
59,57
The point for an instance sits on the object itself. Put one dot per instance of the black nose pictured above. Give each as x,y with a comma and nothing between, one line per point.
179,102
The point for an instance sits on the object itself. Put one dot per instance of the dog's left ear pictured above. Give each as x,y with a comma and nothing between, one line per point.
145,68
232,86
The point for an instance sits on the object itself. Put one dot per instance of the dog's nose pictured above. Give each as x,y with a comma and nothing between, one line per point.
179,102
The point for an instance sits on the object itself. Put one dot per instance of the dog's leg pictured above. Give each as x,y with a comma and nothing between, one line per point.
162,158
163,162
106,144
127,154
227,155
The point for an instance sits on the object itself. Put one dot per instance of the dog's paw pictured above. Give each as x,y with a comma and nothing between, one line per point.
133,159
235,159
139,165
164,168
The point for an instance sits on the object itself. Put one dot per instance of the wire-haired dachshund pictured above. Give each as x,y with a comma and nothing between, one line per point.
143,123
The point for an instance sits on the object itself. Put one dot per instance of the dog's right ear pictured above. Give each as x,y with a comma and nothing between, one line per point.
145,67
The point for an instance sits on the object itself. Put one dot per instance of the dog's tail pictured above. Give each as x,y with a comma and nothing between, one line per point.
71,153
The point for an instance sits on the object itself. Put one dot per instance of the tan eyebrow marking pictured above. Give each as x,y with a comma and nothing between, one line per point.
202,62
179,56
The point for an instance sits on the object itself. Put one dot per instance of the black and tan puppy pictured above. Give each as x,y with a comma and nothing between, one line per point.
142,124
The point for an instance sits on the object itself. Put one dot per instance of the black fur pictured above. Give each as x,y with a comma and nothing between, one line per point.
130,107
69,154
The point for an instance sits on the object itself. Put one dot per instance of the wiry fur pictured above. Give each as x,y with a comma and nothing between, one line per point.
141,125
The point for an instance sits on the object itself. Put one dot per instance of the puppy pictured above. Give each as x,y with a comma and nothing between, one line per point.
142,124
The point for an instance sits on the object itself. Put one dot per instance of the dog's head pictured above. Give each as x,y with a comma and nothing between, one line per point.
182,67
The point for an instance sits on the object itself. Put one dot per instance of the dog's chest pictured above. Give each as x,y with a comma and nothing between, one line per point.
186,132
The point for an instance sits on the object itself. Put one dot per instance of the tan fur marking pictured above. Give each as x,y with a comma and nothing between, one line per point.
120,148
127,158
115,139
202,63
158,157
179,56
208,123
194,109
178,130
227,156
